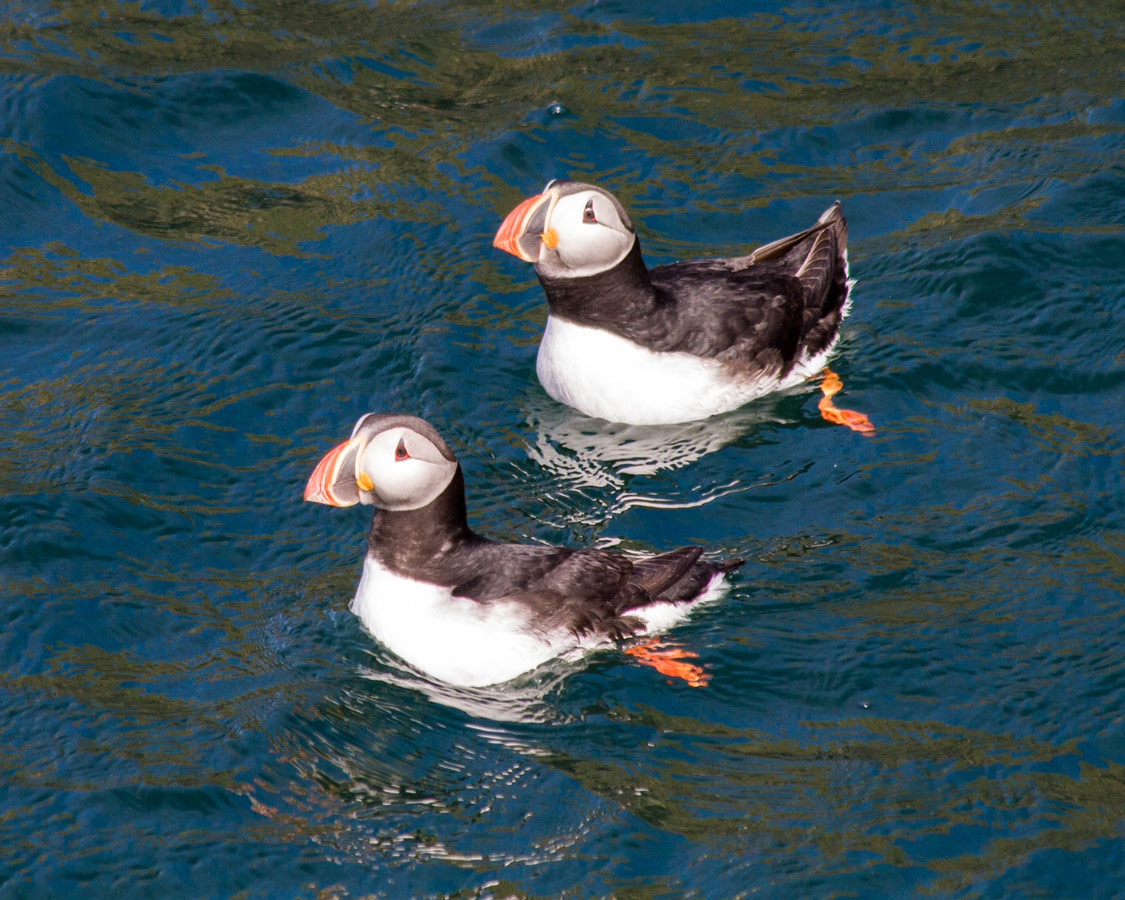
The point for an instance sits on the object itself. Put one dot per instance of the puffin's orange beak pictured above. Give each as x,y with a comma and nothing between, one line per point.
333,481
525,226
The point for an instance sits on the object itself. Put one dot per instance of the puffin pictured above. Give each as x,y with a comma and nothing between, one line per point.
470,611
683,341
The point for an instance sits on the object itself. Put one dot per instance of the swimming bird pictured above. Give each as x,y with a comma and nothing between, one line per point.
682,341
470,611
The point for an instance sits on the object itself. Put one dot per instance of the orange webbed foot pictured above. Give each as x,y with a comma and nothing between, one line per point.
668,659
856,421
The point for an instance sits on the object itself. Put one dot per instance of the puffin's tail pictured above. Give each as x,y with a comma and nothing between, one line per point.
669,657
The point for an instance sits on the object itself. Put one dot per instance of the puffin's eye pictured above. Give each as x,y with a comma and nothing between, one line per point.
588,212
400,451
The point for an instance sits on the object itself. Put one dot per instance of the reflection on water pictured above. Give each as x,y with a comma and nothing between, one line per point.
526,700
600,470
594,452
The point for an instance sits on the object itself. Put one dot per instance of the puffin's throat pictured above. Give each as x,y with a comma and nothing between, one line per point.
611,299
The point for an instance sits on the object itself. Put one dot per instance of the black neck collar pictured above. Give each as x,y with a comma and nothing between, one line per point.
415,542
609,299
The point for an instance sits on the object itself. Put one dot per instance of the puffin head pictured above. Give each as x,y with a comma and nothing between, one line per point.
571,230
393,462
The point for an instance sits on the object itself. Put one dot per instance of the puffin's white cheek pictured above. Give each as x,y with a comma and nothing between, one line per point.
406,482
579,250
592,248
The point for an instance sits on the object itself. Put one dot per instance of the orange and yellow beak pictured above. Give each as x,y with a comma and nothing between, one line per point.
527,226
336,480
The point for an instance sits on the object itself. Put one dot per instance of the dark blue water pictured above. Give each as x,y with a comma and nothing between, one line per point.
230,228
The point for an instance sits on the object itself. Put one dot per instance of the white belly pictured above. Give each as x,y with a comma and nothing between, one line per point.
450,638
467,644
608,376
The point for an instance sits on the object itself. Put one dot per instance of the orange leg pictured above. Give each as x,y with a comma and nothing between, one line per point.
668,658
856,421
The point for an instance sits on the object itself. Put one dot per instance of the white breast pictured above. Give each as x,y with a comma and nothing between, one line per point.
605,375
451,638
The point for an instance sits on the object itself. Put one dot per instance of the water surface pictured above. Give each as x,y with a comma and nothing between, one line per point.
230,228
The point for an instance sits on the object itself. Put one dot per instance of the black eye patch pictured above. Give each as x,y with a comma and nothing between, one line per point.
588,212
400,451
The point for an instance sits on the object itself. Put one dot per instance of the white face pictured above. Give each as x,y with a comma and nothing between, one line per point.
591,236
406,470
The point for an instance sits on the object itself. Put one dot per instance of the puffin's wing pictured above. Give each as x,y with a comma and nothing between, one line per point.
683,576
509,572
657,573
748,316
592,590
679,576
580,591
831,220
822,273
814,262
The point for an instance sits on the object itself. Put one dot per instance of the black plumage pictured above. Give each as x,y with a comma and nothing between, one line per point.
758,315
583,591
